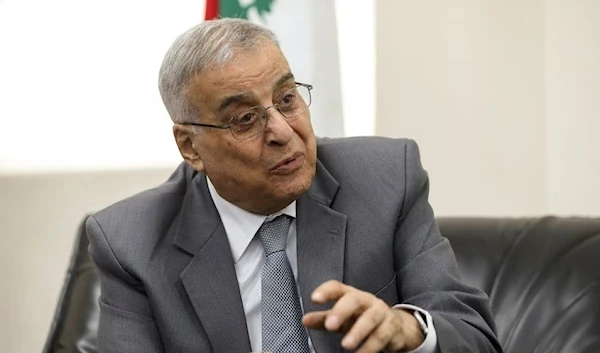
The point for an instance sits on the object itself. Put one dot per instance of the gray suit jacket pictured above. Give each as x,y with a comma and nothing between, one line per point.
168,278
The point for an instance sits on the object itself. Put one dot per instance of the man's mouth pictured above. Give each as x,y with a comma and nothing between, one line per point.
288,165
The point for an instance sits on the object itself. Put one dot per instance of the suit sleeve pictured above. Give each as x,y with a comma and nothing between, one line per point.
126,320
428,272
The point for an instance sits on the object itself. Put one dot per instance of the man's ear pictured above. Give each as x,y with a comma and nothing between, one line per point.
184,139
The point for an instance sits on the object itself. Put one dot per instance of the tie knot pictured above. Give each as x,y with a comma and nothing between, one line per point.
273,234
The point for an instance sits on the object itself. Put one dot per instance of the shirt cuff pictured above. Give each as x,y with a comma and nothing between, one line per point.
429,345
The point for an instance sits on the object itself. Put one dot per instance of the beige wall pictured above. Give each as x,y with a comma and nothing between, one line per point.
572,51
39,215
503,98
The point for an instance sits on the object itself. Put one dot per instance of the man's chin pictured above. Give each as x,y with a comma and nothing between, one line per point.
295,188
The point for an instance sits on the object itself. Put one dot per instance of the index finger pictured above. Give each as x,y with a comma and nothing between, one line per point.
329,291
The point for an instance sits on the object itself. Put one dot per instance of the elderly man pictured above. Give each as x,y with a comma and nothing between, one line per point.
268,239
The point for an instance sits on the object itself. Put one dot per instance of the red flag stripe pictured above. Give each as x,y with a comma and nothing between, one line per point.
212,10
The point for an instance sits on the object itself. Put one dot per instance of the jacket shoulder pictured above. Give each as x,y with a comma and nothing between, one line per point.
373,172
366,153
146,215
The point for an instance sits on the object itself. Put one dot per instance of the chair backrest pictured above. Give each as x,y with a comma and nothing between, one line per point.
75,324
542,276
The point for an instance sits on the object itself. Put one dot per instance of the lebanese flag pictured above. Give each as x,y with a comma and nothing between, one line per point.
212,10
307,33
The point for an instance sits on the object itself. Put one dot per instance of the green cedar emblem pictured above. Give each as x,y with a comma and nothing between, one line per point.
233,8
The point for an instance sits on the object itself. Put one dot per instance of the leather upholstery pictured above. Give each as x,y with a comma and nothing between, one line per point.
76,318
542,276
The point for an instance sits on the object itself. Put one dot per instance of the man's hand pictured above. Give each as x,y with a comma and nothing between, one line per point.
366,320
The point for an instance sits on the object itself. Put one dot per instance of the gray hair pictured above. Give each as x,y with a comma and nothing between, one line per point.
211,43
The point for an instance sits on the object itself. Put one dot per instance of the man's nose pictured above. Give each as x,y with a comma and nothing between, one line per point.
277,131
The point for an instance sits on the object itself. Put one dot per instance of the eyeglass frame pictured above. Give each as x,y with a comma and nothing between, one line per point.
276,106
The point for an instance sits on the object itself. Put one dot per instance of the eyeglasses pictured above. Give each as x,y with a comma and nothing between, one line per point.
252,121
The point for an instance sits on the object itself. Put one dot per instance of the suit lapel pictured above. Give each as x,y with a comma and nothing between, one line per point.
320,248
210,279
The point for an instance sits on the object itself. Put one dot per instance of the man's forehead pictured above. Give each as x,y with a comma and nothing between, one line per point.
254,71
268,62
243,78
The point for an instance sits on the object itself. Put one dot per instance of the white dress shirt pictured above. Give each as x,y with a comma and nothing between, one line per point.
241,227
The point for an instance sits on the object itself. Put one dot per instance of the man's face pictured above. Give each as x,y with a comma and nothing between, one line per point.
263,173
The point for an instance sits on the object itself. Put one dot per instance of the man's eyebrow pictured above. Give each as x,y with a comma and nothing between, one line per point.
236,98
241,97
284,78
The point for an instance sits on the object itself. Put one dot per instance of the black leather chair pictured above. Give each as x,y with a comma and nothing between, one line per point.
75,322
542,276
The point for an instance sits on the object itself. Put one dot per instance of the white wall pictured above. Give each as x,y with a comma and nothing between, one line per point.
356,42
78,85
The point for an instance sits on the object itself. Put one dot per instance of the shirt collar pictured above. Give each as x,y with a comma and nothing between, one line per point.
241,225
